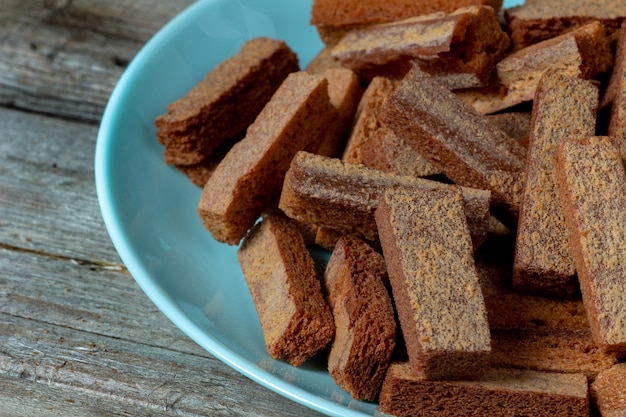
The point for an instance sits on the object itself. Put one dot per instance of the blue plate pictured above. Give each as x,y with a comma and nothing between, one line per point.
150,209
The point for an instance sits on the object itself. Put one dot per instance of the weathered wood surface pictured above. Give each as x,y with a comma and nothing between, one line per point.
77,335
47,188
139,374
63,57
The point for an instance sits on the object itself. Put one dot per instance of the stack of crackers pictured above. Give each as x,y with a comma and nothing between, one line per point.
463,165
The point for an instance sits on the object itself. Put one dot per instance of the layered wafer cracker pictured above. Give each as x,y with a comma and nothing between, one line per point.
531,311
617,92
374,145
366,123
584,52
458,140
248,180
295,318
592,190
428,252
503,392
550,350
360,353
460,49
564,107
344,91
330,193
532,331
538,20
387,152
333,18
223,104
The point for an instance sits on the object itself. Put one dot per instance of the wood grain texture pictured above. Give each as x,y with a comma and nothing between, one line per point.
47,188
138,374
64,57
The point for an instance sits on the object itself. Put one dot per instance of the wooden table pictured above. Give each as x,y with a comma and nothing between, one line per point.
77,335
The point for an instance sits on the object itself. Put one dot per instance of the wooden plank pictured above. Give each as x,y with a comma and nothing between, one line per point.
23,397
85,297
64,57
47,191
138,374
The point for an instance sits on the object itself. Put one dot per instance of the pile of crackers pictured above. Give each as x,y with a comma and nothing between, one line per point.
464,167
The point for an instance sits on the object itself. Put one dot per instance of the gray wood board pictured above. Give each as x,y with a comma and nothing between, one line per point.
64,57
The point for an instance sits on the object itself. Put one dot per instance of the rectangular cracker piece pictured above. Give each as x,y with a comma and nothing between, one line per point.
609,391
460,49
584,52
592,190
564,107
387,152
501,392
344,91
333,18
375,145
531,331
249,178
488,100
551,350
366,122
365,324
222,105
428,252
516,124
538,20
200,172
295,318
461,142
508,309
617,89
322,62
328,192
